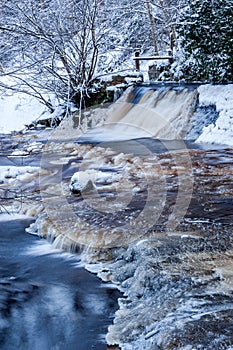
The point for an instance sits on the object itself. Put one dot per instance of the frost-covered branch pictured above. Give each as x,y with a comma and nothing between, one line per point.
53,42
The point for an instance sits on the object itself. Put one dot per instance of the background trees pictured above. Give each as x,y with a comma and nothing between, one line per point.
135,25
57,47
166,14
206,34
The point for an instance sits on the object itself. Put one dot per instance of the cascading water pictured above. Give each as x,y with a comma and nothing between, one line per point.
156,221
165,112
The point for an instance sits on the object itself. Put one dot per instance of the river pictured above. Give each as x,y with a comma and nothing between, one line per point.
156,222
47,300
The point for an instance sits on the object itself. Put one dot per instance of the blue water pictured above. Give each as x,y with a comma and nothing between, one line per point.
47,301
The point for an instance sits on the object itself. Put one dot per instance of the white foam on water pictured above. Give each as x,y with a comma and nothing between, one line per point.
12,217
43,247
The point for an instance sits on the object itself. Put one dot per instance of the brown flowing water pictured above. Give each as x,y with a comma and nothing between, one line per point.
157,223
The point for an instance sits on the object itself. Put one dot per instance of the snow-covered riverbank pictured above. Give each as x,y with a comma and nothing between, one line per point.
220,96
18,110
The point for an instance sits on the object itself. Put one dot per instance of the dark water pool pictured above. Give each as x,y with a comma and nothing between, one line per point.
47,301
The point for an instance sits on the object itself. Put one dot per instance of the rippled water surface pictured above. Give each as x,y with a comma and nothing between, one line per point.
164,226
46,300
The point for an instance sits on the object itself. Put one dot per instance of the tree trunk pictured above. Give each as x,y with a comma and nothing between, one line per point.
167,16
152,25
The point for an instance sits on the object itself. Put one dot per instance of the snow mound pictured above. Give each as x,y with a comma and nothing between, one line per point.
221,96
85,181
18,110
10,173
82,181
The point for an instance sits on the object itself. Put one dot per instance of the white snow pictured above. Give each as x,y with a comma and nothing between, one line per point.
9,173
18,109
88,179
82,181
222,97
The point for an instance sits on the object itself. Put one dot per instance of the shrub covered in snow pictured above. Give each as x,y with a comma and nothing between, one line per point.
206,34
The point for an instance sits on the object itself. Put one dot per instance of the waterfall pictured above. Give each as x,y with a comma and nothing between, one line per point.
170,112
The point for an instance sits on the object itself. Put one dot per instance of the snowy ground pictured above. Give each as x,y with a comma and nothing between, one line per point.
18,109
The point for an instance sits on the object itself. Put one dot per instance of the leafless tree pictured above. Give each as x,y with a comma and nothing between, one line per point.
152,24
53,46
166,14
144,24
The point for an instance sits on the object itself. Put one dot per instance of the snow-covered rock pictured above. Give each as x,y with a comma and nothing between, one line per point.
82,181
90,179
